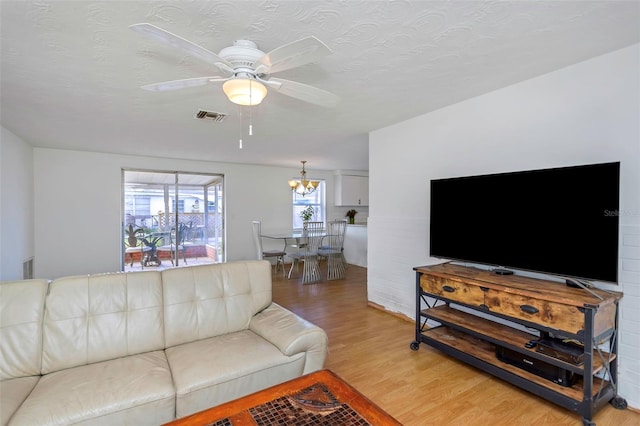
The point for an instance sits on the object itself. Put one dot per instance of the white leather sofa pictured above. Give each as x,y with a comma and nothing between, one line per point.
146,347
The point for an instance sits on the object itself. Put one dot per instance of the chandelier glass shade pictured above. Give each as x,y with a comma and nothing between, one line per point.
303,186
244,91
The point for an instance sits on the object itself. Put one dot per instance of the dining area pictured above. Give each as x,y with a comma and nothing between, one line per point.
313,254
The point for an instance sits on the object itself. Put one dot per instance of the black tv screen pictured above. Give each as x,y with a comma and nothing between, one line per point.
560,221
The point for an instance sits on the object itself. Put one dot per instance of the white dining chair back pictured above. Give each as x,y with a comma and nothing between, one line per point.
333,249
277,255
313,233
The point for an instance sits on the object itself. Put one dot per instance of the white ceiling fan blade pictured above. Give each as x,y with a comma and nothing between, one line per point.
291,55
158,34
182,84
303,92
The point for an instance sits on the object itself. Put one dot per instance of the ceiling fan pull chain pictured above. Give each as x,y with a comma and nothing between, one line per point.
240,117
250,124
250,103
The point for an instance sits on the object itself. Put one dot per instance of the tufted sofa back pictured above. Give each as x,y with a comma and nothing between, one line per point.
99,317
93,318
209,300
21,309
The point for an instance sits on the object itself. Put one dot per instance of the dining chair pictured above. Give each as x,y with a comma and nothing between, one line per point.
308,254
189,231
176,241
278,255
333,249
134,244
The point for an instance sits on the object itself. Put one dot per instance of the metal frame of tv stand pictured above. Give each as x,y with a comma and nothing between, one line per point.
589,404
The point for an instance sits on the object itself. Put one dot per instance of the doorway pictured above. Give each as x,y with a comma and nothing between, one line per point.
171,219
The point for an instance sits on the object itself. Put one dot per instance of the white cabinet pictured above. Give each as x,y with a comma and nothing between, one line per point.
351,190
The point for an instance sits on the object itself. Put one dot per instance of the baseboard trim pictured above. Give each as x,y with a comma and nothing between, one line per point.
386,311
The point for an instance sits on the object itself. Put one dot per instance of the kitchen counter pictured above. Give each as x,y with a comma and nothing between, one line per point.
355,244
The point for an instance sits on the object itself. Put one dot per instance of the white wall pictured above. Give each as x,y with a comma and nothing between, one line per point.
78,206
16,205
586,113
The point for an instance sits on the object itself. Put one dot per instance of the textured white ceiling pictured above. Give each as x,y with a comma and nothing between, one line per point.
71,71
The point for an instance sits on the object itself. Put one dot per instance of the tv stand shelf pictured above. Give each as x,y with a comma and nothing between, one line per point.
499,310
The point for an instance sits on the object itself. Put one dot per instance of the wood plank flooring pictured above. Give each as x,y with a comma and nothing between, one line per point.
369,348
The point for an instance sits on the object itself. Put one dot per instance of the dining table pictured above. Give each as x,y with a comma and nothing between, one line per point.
292,239
153,240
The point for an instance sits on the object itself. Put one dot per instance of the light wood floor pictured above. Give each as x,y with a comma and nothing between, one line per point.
369,348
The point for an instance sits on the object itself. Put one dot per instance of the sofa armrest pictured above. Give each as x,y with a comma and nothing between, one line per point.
292,334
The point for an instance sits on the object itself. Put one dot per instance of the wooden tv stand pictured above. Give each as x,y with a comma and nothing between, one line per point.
533,308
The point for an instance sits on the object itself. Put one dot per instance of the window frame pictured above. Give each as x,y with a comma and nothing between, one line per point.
317,199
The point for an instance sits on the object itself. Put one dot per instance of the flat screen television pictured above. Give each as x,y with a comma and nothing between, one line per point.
560,221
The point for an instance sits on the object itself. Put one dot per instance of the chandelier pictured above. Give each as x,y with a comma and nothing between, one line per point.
303,186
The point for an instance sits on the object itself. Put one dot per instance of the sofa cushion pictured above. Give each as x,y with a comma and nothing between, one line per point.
137,389
21,310
100,317
215,370
209,300
12,393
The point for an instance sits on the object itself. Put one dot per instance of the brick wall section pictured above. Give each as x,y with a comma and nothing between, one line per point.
190,251
629,283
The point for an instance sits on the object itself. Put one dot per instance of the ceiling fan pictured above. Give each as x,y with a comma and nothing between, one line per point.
246,70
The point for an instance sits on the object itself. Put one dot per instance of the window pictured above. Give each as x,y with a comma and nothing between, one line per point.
137,207
156,201
316,200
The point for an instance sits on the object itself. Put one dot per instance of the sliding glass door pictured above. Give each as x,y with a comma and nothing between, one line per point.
171,219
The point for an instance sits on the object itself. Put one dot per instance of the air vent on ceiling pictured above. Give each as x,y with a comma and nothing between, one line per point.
211,115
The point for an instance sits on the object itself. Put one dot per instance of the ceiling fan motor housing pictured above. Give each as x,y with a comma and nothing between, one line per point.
242,55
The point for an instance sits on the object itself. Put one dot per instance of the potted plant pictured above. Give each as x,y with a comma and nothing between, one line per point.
351,214
132,238
307,214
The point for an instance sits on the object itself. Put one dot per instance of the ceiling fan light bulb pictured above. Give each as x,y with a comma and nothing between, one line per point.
244,91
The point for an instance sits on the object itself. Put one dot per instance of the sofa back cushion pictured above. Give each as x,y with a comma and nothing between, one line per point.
21,311
210,300
99,317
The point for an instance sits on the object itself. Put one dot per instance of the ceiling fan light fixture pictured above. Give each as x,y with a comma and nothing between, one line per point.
244,91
